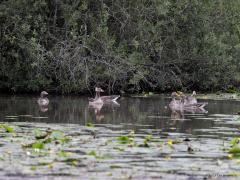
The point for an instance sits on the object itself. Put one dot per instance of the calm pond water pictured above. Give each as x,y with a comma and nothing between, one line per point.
183,145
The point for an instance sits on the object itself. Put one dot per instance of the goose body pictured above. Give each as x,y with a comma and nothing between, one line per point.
95,101
111,98
191,101
43,100
176,104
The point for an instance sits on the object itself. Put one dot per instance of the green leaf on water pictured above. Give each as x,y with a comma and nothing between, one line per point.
40,134
90,125
235,141
38,145
115,166
235,150
63,154
92,153
33,168
65,140
7,128
72,161
118,148
124,140
57,135
75,163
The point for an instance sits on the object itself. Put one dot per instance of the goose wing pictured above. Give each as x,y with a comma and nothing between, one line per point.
110,98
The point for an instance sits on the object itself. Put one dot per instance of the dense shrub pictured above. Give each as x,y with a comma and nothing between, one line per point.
147,45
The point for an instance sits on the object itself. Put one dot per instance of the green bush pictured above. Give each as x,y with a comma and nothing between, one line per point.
149,45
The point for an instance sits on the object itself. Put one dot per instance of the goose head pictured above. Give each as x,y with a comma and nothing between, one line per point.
43,94
194,93
98,89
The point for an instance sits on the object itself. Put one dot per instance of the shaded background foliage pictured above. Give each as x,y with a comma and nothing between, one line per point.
132,45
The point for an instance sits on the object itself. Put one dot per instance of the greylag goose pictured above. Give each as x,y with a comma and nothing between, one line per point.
111,98
191,101
176,104
97,101
180,103
43,100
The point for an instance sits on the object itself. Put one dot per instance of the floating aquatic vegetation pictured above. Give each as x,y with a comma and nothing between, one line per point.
64,154
110,152
7,128
125,140
90,125
46,137
235,151
39,134
38,145
115,166
235,148
146,141
119,148
97,155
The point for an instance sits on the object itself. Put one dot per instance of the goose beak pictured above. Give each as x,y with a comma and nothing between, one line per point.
97,89
44,93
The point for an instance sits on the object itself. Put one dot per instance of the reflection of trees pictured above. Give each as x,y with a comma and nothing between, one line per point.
148,111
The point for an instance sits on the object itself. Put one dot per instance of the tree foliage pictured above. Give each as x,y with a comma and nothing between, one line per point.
133,45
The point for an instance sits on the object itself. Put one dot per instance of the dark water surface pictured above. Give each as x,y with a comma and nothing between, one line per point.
209,132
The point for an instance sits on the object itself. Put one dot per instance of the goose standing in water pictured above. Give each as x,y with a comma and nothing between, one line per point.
105,99
43,100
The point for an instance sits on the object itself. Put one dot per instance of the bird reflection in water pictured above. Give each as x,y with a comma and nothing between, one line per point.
179,113
181,103
98,107
97,110
43,108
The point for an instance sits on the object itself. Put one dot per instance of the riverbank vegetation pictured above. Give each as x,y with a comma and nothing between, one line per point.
145,45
